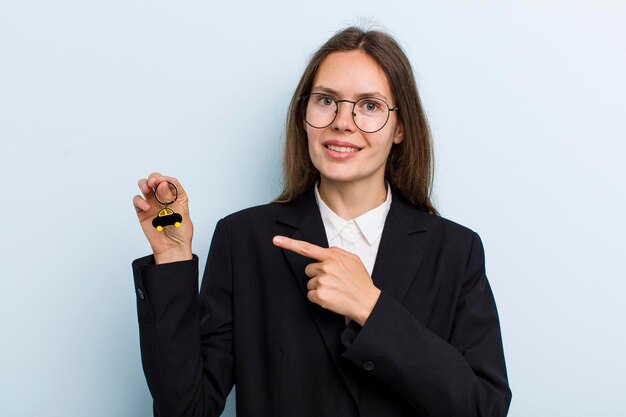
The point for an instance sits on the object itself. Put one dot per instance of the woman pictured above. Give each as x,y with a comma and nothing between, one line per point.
347,296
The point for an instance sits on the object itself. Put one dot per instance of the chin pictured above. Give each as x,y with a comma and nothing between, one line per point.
335,173
340,176
340,179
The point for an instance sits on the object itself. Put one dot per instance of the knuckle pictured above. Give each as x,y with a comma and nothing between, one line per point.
323,295
173,179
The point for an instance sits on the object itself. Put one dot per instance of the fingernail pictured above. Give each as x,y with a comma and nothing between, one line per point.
277,240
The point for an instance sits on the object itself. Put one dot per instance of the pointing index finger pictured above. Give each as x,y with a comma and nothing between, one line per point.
301,247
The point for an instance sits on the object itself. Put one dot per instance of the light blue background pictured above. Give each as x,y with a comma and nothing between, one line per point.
526,101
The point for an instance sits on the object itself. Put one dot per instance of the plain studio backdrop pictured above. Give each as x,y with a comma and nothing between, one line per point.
526,102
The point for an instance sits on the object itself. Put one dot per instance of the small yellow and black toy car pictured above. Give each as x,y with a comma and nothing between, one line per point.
167,217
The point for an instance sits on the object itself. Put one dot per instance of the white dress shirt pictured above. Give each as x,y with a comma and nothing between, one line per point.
361,235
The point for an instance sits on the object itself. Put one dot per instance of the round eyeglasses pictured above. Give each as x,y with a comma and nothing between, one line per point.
370,114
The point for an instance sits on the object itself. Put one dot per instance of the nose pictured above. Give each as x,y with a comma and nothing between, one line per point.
344,120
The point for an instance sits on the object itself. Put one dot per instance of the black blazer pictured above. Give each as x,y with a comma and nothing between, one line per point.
431,346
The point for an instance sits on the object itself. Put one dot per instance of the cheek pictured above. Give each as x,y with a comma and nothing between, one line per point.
382,146
311,134
313,139
312,146
382,142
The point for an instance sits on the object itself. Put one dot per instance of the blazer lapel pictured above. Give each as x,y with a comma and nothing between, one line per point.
399,256
304,216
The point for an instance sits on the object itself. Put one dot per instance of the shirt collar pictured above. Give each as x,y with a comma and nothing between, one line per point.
371,223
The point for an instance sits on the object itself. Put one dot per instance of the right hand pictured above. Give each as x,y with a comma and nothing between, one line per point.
173,243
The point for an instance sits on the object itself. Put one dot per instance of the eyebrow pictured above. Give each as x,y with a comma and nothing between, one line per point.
358,96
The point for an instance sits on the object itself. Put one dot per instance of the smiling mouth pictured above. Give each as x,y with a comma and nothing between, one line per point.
342,149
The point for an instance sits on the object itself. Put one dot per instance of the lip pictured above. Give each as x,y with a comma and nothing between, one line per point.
340,143
340,155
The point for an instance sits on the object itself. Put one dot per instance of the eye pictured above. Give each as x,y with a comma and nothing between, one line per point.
323,100
371,105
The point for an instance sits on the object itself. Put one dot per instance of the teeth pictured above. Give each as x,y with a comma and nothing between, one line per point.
342,148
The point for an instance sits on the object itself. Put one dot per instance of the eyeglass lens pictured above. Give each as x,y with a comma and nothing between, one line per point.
369,114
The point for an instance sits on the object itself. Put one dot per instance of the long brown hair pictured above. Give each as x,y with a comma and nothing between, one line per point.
409,167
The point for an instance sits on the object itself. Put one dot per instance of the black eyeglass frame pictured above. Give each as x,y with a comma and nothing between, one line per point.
303,100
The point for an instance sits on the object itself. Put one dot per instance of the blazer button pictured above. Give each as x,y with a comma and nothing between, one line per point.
369,365
140,294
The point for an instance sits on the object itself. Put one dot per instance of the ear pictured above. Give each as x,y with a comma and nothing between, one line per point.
399,134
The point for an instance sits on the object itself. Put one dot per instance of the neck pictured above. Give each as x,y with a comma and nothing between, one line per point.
351,199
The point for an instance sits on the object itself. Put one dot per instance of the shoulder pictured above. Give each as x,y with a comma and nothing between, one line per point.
451,228
418,220
264,215
251,220
437,237
251,230
443,242
255,214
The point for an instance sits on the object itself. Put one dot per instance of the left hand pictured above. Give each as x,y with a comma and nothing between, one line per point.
338,281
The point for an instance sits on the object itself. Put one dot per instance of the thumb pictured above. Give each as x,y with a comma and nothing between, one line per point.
165,192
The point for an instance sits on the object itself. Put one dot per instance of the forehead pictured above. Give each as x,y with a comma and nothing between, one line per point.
352,73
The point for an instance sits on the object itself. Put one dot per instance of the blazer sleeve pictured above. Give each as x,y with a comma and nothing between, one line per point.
465,375
186,347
